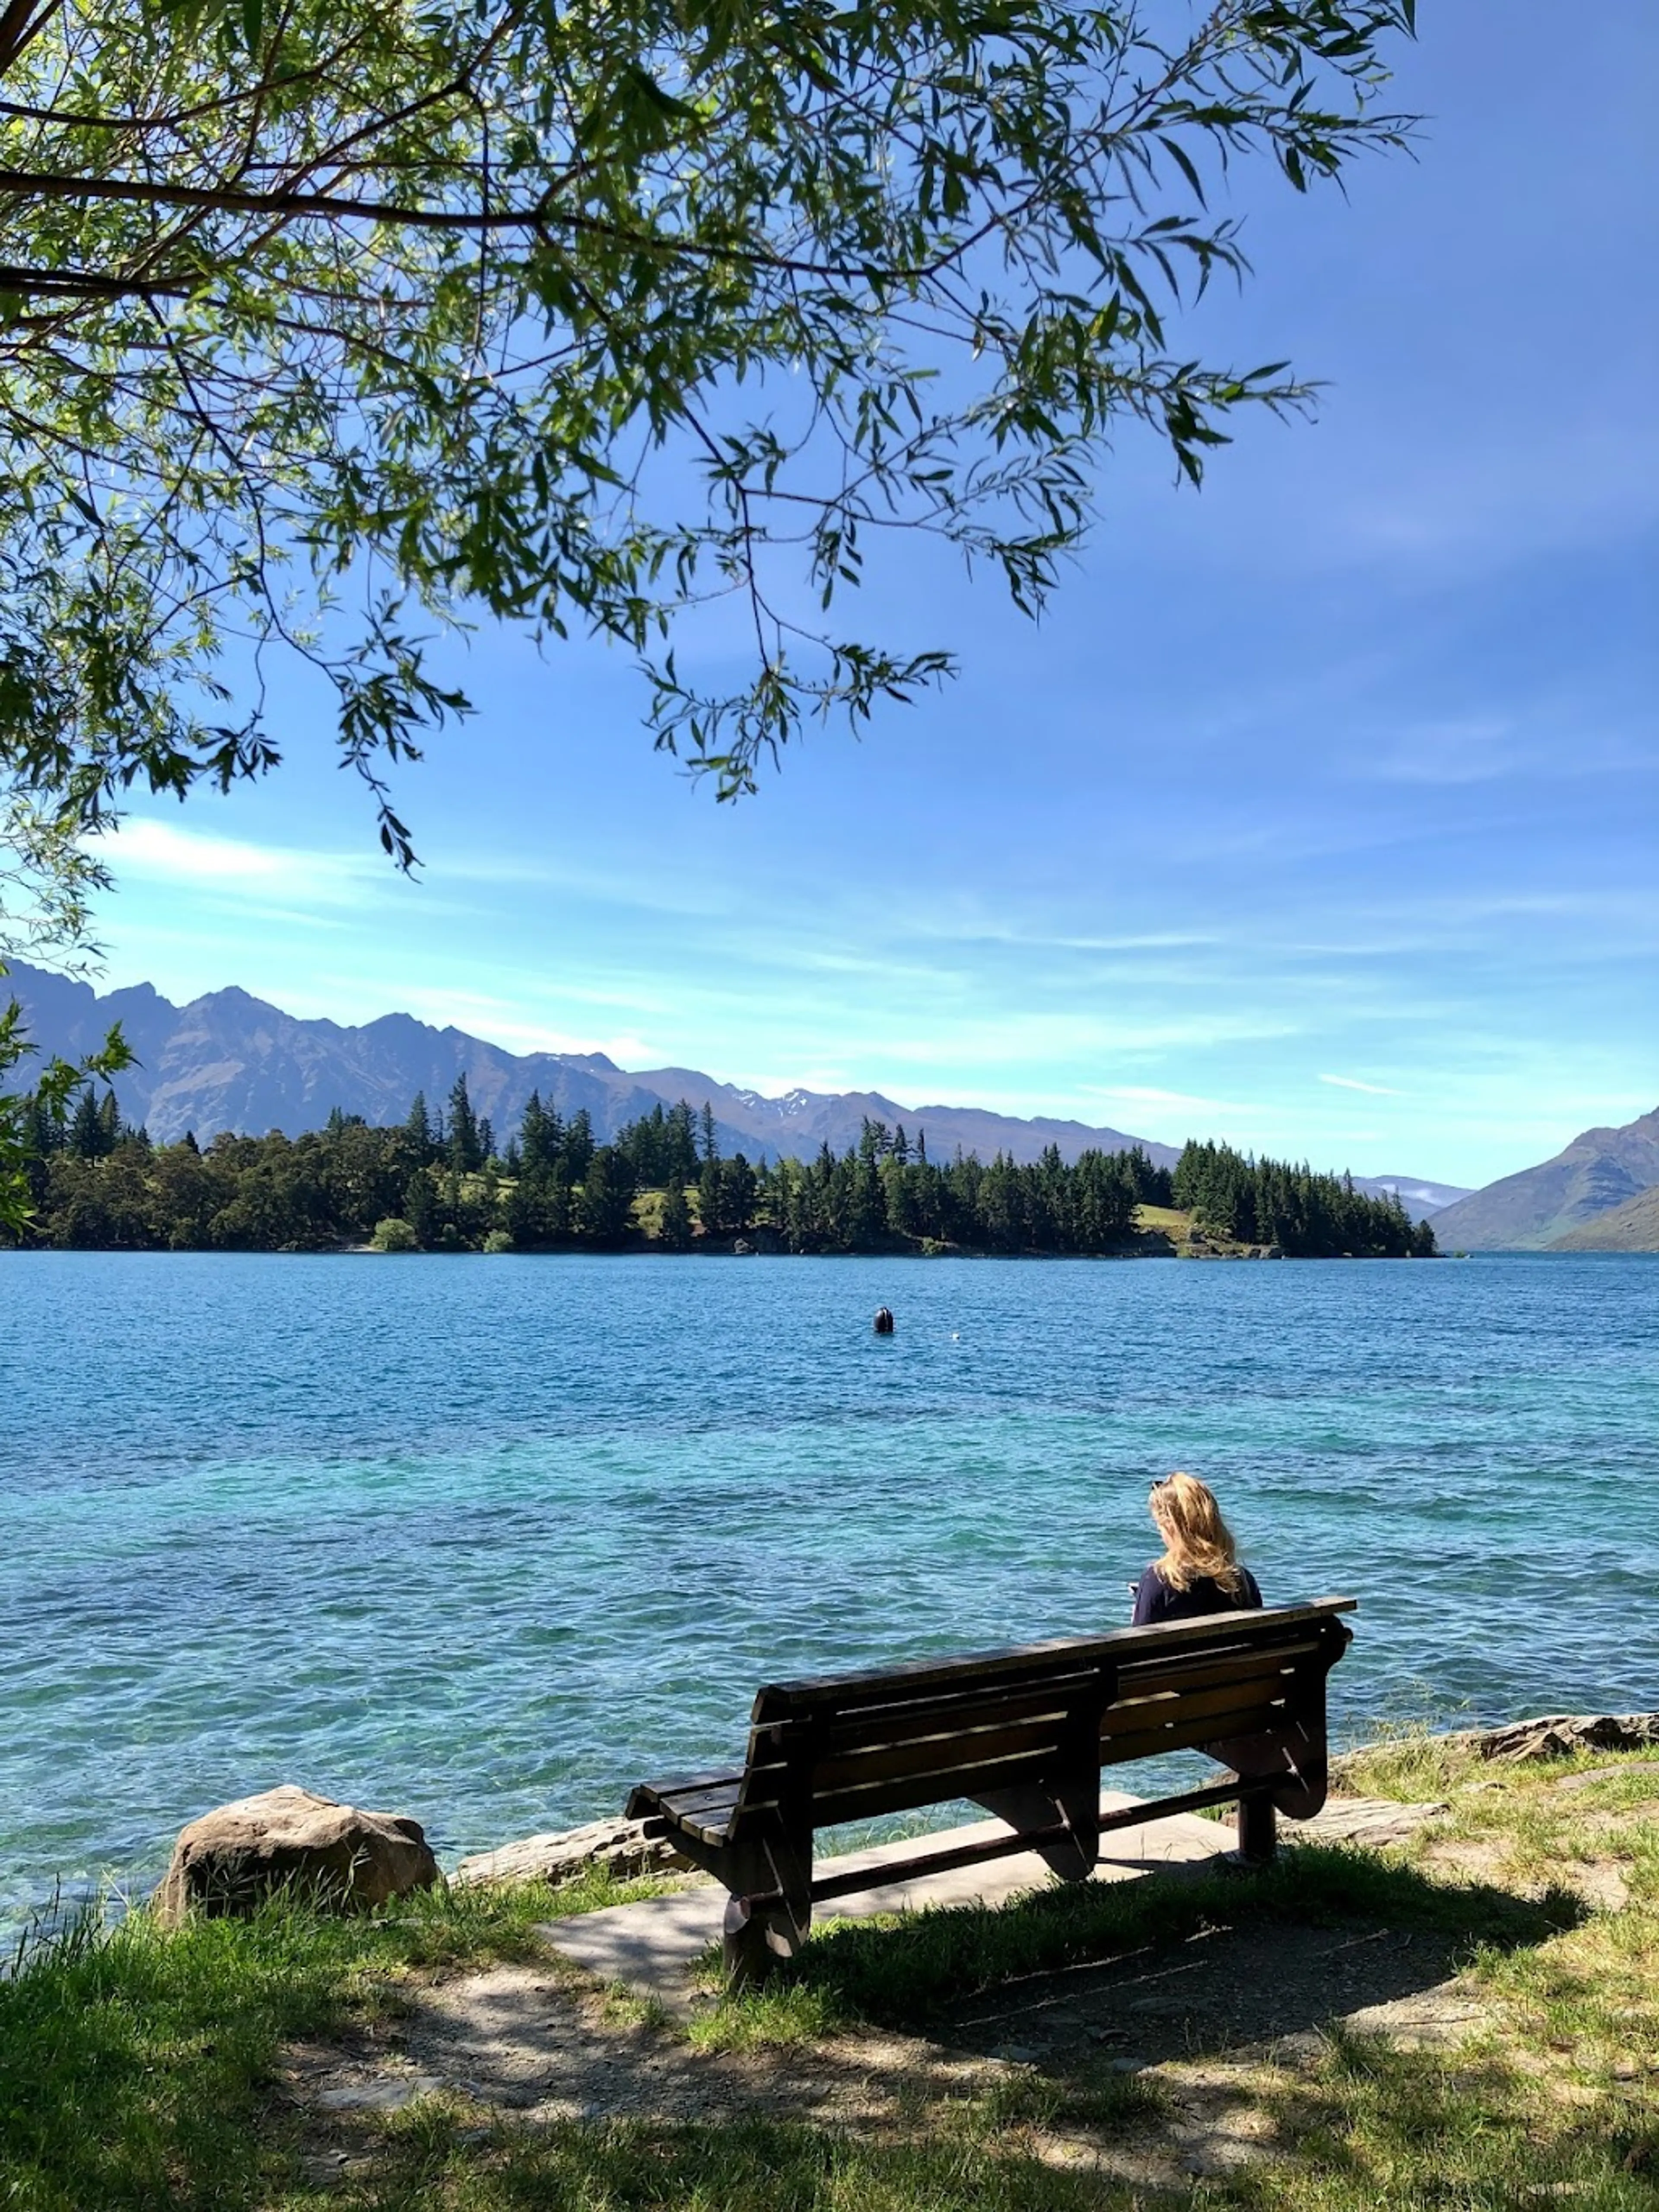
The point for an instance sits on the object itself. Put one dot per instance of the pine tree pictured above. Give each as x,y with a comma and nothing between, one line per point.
110,1122
605,1209
86,1129
466,1152
711,1198
578,1148
419,1129
737,1188
541,1135
711,1143
420,1207
680,1160
675,1218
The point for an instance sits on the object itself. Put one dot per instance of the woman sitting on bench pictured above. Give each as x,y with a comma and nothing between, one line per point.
1200,1572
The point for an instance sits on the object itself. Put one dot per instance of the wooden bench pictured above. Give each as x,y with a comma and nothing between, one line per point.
1025,1733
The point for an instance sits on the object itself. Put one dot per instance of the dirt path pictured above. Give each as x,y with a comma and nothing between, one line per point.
1184,2059
1211,2033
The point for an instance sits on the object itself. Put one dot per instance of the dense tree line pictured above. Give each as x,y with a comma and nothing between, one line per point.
1313,1216
885,1189
438,1181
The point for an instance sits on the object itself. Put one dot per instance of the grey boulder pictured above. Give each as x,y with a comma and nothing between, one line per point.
621,1847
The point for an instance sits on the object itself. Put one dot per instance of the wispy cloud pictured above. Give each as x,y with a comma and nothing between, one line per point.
1352,1083
233,868
1477,750
1142,1094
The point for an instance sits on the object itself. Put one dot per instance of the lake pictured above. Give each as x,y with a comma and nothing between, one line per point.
486,1540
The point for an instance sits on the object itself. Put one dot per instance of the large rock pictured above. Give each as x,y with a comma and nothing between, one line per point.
234,1857
621,1847
1557,1735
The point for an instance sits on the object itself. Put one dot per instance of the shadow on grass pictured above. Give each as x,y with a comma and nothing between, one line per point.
1322,1932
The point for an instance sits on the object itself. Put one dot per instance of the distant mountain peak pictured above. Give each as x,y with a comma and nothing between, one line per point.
230,1060
1600,1171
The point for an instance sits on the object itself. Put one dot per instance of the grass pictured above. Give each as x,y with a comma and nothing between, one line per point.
904,1973
1169,1219
738,2165
1179,1227
135,2064
139,2070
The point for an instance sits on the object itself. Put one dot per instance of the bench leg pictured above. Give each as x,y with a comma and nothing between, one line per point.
750,1955
1258,1830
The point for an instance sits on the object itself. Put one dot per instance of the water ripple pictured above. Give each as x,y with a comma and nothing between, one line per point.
488,1540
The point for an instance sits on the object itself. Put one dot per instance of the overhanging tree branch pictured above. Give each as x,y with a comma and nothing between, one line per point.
296,298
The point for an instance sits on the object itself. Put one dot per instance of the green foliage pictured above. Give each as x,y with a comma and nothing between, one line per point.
325,324
674,1219
1307,1215
661,1146
884,1191
467,1150
31,1122
605,1211
392,1235
96,1183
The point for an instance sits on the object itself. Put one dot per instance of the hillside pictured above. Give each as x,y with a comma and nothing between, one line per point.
1600,1170
1631,1227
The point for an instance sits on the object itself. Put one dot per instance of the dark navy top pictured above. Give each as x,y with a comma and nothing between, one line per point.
1156,1600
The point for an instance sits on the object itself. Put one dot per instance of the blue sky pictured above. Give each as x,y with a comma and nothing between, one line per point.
1320,813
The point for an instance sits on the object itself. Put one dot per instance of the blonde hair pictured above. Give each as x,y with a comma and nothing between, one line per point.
1197,1540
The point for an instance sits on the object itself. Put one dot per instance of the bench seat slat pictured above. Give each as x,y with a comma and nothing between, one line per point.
692,1805
690,1785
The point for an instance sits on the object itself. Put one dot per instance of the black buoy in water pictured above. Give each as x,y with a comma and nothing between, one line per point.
883,1321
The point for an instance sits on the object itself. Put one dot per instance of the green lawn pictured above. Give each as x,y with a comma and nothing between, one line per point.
140,2070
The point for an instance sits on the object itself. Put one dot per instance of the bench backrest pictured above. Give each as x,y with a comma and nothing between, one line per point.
855,1746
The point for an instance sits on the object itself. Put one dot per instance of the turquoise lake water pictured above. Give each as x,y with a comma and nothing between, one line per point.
488,1540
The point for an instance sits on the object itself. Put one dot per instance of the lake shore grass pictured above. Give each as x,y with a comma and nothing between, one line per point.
140,2069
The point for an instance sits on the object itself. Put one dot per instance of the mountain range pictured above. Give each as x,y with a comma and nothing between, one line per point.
1603,1177
229,1061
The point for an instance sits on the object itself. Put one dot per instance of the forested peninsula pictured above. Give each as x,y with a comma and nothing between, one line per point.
443,1182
